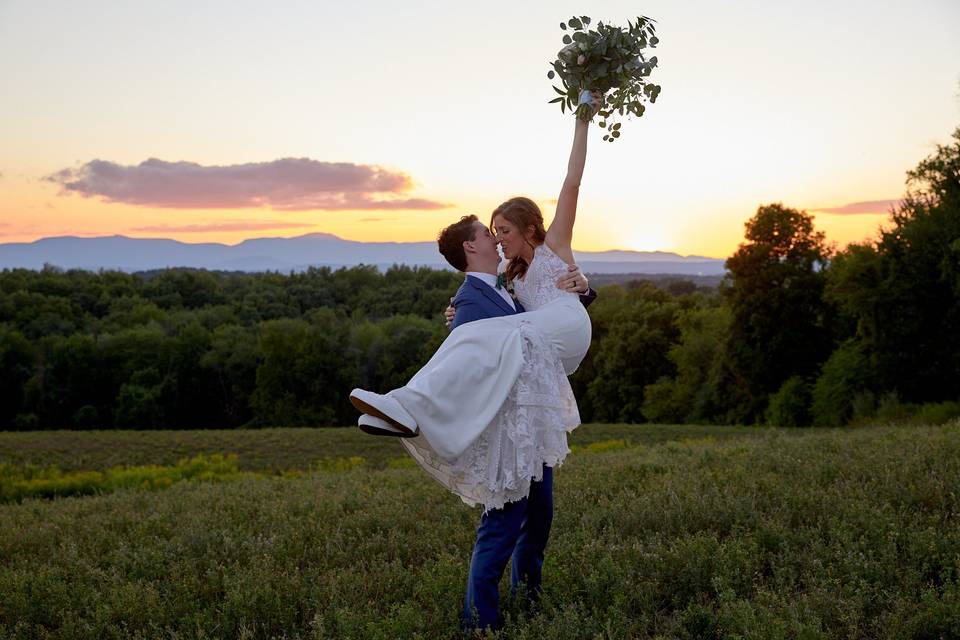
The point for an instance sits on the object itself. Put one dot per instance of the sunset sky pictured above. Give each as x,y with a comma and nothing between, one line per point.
209,121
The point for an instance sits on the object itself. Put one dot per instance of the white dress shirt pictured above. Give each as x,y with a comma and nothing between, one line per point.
491,280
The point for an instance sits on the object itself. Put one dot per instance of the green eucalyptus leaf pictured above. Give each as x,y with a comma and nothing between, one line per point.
614,64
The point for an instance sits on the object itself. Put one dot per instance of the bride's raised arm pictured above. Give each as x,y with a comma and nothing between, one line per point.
560,233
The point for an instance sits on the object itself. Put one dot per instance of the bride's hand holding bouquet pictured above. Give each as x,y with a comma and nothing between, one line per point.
607,64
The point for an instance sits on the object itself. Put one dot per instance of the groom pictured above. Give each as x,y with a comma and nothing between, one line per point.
520,529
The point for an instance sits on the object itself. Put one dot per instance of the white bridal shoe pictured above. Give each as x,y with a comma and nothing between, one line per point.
386,409
377,427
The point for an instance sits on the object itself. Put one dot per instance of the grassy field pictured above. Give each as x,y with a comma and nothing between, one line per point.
675,532
274,449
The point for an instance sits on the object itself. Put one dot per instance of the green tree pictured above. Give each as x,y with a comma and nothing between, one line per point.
775,293
139,402
689,396
846,375
305,376
790,405
231,362
16,367
900,296
638,333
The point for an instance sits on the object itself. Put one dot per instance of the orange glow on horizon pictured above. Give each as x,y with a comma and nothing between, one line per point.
28,218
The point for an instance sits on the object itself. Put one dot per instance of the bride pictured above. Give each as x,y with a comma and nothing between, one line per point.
493,404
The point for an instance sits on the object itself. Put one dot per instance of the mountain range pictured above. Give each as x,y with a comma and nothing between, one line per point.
297,254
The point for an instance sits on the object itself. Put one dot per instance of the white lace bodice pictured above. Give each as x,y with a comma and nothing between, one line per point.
539,285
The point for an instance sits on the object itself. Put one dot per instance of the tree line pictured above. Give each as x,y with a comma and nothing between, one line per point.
798,333
187,348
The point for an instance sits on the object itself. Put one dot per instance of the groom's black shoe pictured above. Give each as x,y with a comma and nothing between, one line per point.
385,408
377,427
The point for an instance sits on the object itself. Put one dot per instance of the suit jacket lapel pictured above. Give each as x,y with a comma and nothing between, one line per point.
491,294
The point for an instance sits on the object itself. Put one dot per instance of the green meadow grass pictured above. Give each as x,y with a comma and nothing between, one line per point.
29,481
800,534
272,449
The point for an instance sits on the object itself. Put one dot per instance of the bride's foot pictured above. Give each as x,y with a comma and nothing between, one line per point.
377,427
385,408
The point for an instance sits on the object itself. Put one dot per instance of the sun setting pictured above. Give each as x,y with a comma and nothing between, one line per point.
165,141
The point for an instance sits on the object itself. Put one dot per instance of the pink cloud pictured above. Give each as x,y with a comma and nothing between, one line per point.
288,184
870,206
227,225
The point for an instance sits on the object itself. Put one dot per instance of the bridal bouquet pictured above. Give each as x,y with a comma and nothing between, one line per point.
610,60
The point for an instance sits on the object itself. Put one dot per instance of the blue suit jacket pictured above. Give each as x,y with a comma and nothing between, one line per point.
476,300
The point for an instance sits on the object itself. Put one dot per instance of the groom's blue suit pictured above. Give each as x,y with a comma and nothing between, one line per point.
520,529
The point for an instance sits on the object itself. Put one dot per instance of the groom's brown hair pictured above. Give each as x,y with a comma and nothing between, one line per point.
451,241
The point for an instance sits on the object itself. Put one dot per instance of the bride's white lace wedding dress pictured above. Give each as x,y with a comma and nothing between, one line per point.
494,405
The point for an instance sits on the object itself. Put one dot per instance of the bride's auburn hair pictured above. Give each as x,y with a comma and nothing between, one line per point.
523,213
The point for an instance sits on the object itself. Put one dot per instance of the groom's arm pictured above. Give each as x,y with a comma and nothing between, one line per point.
466,310
575,280
586,299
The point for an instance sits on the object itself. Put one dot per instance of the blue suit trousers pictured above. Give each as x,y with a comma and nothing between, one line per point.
520,529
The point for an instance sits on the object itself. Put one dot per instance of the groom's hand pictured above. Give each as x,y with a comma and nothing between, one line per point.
449,313
574,281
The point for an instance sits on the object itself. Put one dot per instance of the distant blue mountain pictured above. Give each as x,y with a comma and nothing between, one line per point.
297,254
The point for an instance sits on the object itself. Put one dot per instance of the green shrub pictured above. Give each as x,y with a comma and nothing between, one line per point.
938,412
86,417
603,445
891,411
790,405
32,481
845,374
26,422
338,464
863,405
